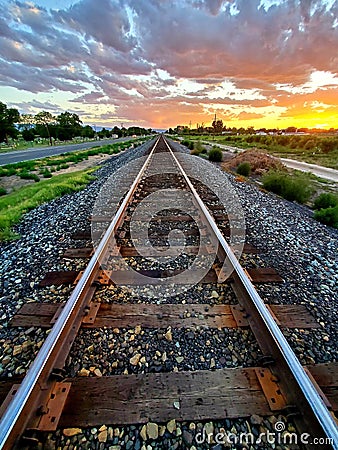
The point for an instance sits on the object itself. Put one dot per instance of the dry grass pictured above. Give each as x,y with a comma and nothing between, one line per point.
259,162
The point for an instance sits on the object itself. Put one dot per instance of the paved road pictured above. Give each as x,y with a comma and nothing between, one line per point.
41,152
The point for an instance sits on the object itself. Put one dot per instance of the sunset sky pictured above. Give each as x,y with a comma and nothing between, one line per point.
159,63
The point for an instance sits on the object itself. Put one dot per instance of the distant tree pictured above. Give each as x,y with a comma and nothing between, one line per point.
26,125
27,121
104,133
291,130
28,134
8,117
200,128
69,125
87,132
217,126
46,119
116,130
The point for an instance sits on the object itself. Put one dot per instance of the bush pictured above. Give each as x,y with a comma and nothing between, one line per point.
328,216
198,146
2,191
325,201
328,145
46,173
25,175
244,169
7,172
26,165
215,154
195,152
310,145
292,187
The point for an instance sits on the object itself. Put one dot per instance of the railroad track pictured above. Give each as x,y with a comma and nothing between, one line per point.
168,235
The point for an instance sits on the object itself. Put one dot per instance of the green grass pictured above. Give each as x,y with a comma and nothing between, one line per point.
17,203
60,161
328,216
293,187
325,200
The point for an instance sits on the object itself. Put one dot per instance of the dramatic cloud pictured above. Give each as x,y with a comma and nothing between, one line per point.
164,62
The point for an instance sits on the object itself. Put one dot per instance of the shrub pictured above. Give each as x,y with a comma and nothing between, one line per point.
328,216
46,173
2,191
328,145
195,152
215,154
244,169
25,175
325,201
198,146
26,165
292,187
7,172
310,145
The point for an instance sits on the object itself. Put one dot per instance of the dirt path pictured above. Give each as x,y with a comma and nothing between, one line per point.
319,171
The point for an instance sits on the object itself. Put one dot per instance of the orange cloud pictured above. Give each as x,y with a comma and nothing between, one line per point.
257,62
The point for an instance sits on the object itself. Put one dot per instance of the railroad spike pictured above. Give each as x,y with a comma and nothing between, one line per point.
291,411
266,360
58,374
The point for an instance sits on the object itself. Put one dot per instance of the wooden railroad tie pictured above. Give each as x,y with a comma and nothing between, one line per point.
160,397
161,316
124,251
131,278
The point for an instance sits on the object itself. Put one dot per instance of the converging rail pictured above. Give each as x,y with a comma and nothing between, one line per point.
29,406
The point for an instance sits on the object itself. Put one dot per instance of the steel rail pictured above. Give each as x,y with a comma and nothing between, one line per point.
30,381
314,400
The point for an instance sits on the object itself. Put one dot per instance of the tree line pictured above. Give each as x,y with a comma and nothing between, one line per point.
218,128
63,127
